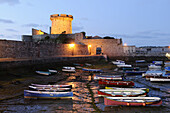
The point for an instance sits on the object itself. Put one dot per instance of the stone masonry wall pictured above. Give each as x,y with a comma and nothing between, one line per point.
18,49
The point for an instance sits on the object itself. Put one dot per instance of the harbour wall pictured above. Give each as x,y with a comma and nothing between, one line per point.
6,64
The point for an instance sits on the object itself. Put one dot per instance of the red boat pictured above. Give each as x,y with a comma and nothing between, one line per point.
116,83
132,101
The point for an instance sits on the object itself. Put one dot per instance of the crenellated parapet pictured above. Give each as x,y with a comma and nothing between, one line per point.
61,23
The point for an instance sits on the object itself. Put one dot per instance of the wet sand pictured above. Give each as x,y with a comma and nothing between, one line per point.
85,97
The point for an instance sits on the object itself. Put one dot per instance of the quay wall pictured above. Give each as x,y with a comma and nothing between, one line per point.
53,61
19,49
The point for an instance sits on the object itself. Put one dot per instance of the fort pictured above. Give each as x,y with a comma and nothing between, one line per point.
43,45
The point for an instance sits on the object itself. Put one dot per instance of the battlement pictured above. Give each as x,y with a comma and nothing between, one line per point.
60,15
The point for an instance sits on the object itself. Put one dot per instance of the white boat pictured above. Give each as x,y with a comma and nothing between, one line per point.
43,73
130,89
55,85
118,62
108,77
125,65
52,71
153,73
153,66
121,92
164,79
69,70
132,101
50,89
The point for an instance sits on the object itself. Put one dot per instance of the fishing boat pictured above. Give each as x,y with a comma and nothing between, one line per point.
107,77
92,70
48,95
132,101
153,66
52,71
43,73
116,83
145,89
50,89
121,92
161,79
134,72
57,86
140,61
69,70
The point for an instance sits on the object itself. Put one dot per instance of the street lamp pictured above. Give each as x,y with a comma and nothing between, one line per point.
89,46
72,47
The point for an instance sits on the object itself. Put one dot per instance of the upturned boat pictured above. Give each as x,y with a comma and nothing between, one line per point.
116,83
92,70
48,95
121,92
57,86
132,101
145,89
50,89
108,77
43,73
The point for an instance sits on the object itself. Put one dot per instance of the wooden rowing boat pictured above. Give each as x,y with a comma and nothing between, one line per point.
108,77
45,94
56,85
132,101
121,92
145,89
50,89
116,83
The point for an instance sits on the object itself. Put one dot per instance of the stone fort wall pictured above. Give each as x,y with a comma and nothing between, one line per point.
18,49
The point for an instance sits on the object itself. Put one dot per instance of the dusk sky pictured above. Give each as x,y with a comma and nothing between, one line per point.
137,22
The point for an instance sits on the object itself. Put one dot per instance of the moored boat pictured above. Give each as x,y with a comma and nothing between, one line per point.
153,66
121,92
162,79
92,70
124,65
134,72
48,95
167,69
153,73
43,73
57,85
145,89
52,71
50,89
118,62
108,77
116,83
132,101
69,70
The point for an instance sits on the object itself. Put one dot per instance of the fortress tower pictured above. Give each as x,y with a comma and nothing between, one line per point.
61,24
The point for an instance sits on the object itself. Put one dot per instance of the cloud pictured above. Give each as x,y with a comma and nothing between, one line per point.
12,30
10,2
6,21
77,28
35,25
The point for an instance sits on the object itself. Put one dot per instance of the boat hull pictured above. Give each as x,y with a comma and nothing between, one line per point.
116,83
112,102
53,95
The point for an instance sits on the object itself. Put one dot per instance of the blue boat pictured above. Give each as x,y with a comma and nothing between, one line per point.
45,94
134,72
157,63
130,68
92,70
167,68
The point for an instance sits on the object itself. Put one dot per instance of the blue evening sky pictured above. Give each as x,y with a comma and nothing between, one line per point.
137,22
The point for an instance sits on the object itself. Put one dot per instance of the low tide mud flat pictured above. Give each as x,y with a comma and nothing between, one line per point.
85,99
